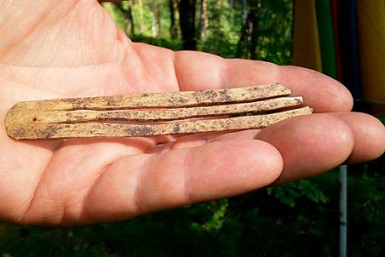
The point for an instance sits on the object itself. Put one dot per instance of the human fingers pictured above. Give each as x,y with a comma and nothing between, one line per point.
201,71
316,143
369,136
145,183
311,144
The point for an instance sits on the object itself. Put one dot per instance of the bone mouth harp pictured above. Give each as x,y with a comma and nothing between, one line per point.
154,114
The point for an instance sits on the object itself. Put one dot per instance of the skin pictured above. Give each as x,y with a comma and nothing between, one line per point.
56,49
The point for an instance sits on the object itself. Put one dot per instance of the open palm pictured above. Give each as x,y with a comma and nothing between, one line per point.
55,49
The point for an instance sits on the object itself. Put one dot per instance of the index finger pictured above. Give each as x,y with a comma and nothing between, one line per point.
196,71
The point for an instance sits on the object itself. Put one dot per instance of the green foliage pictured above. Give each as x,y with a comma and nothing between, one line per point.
367,220
275,40
290,193
162,42
223,32
224,26
256,224
143,16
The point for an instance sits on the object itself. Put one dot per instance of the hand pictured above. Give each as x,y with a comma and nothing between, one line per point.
72,48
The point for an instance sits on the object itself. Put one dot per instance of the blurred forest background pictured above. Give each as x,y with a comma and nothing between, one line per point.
296,219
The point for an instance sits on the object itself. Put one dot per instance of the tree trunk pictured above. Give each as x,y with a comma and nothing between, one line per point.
187,24
130,29
155,27
254,27
244,11
248,42
139,4
174,18
203,20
